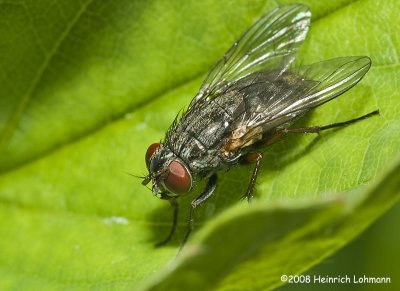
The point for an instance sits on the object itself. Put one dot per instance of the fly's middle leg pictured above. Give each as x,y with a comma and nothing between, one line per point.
252,158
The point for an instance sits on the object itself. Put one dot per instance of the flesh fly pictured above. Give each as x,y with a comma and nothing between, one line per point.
248,101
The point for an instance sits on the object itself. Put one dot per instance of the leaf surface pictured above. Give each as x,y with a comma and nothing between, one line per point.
86,86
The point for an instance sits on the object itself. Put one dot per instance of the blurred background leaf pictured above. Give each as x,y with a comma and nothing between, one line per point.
86,86
375,253
251,249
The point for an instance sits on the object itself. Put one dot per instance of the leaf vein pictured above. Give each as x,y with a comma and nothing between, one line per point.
12,121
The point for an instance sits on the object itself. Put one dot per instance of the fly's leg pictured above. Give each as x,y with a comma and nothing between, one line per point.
208,191
175,207
252,158
317,129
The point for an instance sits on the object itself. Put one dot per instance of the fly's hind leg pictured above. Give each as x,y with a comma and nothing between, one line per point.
317,129
208,191
247,159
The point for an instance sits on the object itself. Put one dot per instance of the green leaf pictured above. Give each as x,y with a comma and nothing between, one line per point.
86,86
264,242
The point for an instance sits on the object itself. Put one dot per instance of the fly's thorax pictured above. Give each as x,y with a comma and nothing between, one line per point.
168,173
199,133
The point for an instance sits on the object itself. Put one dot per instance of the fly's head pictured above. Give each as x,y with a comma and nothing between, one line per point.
169,175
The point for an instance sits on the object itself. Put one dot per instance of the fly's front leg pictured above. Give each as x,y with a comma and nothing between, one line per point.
175,207
247,159
208,191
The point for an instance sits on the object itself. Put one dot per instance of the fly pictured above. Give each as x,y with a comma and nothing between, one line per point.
248,101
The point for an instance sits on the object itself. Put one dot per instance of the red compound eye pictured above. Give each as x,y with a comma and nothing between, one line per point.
150,151
178,180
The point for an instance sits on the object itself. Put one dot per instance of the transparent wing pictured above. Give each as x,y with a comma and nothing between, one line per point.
332,78
305,88
269,45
